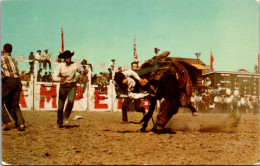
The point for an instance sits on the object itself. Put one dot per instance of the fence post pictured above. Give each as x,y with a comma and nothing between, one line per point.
88,87
34,82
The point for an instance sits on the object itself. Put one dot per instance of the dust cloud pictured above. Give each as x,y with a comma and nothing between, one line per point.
205,123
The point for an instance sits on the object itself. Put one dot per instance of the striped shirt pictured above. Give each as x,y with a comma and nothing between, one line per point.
9,66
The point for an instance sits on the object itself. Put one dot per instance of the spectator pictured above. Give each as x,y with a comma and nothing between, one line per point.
217,103
235,103
111,68
45,77
99,83
229,103
94,79
39,75
221,90
206,99
243,104
221,103
206,82
215,91
236,91
199,103
256,105
38,57
31,63
22,75
225,104
83,80
46,59
250,105
49,77
119,69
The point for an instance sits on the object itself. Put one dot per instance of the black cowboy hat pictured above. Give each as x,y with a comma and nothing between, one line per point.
66,54
113,60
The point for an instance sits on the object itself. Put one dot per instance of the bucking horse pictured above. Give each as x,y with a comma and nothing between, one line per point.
167,81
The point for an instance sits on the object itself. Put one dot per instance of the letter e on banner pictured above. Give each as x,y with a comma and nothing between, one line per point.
98,105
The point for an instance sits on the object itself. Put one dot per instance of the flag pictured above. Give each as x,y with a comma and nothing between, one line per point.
135,54
62,43
211,60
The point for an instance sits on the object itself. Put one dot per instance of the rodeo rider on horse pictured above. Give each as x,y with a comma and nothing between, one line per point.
130,86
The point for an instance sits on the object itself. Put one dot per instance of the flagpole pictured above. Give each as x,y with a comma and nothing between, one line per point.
62,40
134,50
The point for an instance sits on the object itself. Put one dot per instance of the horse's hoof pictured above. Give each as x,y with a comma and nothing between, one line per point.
142,130
194,114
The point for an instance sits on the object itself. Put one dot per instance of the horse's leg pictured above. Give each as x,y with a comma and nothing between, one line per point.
188,93
171,108
148,116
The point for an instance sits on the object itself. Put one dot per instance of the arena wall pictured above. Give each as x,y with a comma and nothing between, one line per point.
43,96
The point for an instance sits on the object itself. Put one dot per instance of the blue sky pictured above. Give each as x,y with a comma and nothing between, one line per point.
100,30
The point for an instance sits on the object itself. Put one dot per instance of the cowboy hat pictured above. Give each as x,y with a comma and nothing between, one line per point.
66,54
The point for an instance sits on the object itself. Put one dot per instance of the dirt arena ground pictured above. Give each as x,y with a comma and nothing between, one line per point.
99,138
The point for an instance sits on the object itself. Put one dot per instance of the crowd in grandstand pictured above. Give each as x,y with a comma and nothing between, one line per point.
223,100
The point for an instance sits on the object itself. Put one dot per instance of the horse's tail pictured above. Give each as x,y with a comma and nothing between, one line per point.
193,72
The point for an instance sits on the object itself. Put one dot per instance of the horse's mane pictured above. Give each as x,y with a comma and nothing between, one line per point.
193,71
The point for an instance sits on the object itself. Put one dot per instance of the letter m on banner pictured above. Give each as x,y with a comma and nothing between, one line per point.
48,95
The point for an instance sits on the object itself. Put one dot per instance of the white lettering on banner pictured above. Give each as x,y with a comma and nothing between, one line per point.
221,81
225,74
245,76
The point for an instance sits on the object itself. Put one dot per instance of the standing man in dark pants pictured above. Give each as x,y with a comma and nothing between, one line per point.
65,73
11,89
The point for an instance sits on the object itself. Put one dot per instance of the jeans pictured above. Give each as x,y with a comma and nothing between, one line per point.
45,64
66,91
11,89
